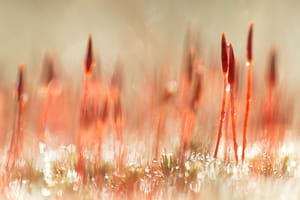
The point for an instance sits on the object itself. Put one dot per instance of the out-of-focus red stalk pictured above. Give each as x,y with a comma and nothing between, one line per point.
160,129
271,82
272,78
187,74
116,87
162,101
192,87
188,124
248,91
196,95
101,124
16,145
50,76
189,114
88,68
270,107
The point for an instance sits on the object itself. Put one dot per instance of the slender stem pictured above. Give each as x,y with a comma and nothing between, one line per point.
270,118
45,114
121,144
160,129
233,124
16,144
222,117
80,164
118,123
20,132
247,110
100,130
227,115
187,128
183,131
11,151
191,125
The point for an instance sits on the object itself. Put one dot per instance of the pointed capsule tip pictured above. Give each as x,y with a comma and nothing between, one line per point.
89,59
49,72
20,83
272,68
224,53
197,92
231,72
116,79
21,67
250,43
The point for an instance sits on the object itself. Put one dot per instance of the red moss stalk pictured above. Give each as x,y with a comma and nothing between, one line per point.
187,75
88,67
89,58
160,130
226,152
116,87
248,91
272,70
191,87
188,124
224,59
101,124
189,113
192,110
49,76
163,100
16,145
231,78
271,81
196,96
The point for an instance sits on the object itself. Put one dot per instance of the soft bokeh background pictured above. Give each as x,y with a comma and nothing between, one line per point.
145,33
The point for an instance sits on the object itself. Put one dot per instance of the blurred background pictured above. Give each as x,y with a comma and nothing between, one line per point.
146,34
139,31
